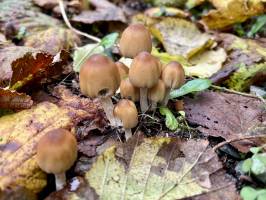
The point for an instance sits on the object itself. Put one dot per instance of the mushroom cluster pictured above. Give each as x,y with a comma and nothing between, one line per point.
146,80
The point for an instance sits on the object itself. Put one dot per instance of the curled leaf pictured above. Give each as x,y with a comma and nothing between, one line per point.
170,120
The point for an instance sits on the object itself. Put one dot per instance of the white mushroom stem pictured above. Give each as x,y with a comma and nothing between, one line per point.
128,133
108,108
60,181
153,105
167,96
144,99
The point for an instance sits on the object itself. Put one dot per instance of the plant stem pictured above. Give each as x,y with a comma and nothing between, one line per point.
153,105
144,99
108,108
128,133
60,181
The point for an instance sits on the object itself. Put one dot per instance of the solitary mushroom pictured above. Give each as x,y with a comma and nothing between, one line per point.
129,91
144,73
56,153
173,76
127,112
135,39
122,69
156,94
99,77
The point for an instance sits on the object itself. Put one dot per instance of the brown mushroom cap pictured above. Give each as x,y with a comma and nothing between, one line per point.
127,112
129,91
157,92
99,76
144,71
123,70
57,151
173,75
135,39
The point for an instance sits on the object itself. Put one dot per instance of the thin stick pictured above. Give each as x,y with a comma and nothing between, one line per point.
63,12
237,139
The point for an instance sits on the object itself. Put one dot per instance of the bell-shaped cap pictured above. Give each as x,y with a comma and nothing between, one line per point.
123,70
157,92
129,91
173,75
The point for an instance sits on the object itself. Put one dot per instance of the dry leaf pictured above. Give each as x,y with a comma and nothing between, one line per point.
13,100
180,37
229,12
158,12
226,115
154,168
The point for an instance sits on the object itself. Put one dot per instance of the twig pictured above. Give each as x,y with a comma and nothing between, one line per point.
237,139
63,12
239,93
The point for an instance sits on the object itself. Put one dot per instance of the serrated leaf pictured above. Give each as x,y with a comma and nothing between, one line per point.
195,85
109,40
170,120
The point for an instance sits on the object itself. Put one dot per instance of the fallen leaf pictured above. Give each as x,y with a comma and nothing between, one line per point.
158,12
17,193
170,119
180,37
46,4
155,168
227,115
104,11
13,100
223,16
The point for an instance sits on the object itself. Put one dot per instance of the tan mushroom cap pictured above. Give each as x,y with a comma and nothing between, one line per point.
127,112
173,75
144,71
135,39
99,76
157,92
57,151
129,91
123,70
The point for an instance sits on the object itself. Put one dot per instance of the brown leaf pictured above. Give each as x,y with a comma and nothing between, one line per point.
104,11
13,100
226,115
46,4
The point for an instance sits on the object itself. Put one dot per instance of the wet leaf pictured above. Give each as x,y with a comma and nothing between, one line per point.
223,16
228,116
195,85
170,120
180,37
13,100
155,168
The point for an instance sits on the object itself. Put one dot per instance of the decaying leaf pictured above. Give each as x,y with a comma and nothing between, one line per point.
227,115
229,12
181,37
104,11
155,168
13,100
157,12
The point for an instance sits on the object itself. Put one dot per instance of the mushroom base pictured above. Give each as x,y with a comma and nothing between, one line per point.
144,99
153,105
60,181
128,133
167,96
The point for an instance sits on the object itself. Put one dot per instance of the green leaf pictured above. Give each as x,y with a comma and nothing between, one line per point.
170,120
195,85
109,40
248,193
255,150
260,22
246,166
258,164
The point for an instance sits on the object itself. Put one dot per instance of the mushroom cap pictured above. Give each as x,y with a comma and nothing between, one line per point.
145,70
99,76
135,39
57,151
129,91
173,75
157,92
122,69
127,112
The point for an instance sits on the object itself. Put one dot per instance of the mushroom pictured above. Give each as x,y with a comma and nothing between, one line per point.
122,69
127,112
99,77
173,75
156,94
144,73
129,91
135,39
56,153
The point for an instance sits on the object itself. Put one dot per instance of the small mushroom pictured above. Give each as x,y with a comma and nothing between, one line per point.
123,70
156,94
173,75
56,153
99,77
144,73
127,112
129,91
135,39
